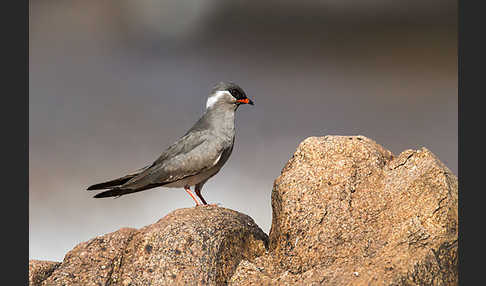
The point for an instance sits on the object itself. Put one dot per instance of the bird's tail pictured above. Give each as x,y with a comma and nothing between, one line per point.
111,184
115,192
118,191
116,182
118,188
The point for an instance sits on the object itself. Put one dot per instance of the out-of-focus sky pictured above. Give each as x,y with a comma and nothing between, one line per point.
113,83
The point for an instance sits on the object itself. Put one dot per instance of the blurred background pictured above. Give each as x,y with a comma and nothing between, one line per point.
113,83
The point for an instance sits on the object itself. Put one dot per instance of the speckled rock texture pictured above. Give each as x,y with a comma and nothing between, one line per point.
193,246
346,211
39,270
202,245
92,262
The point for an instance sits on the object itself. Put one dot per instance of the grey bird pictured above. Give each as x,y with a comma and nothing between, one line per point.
195,157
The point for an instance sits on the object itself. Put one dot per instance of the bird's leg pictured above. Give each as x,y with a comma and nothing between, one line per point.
198,193
188,190
197,190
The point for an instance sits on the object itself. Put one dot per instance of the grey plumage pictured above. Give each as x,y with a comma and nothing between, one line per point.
193,158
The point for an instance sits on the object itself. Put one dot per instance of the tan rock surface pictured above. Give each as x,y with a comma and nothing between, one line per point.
346,212
193,246
202,245
92,262
39,270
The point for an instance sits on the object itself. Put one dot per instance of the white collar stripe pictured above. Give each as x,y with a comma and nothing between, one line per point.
213,99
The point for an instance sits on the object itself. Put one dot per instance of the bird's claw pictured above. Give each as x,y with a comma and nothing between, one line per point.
208,205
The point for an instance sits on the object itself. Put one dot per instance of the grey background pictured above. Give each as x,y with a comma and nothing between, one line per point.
113,83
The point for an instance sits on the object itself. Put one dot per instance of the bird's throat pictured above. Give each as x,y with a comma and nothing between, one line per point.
222,122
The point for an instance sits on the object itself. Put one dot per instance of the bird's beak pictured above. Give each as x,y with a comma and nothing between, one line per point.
245,101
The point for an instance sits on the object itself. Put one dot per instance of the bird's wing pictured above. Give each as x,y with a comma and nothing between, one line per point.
118,181
183,145
191,154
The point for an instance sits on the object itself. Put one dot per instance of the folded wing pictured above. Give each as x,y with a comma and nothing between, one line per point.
191,154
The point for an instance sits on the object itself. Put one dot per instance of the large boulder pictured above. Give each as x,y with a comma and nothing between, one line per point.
201,245
346,211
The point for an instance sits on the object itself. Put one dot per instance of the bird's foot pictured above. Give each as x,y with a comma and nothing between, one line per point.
209,205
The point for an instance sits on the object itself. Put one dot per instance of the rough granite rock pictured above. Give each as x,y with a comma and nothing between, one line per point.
201,245
347,212
92,262
39,270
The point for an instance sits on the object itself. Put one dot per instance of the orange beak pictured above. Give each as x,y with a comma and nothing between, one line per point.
245,101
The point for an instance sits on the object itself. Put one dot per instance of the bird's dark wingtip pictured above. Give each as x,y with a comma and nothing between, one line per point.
115,192
96,187
101,195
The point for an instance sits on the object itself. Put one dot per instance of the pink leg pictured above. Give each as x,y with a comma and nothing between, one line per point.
188,190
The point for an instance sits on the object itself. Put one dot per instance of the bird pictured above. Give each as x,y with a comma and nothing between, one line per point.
195,157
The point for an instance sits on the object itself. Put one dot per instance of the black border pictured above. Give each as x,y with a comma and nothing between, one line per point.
471,65
460,74
15,135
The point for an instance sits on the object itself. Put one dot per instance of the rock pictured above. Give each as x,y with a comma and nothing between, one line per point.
201,245
93,262
40,270
347,212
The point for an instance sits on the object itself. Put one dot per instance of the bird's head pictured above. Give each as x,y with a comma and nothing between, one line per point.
227,94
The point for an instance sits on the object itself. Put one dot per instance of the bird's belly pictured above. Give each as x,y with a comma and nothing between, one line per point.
193,180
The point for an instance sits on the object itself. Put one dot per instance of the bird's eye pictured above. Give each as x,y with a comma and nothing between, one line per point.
236,94
233,93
